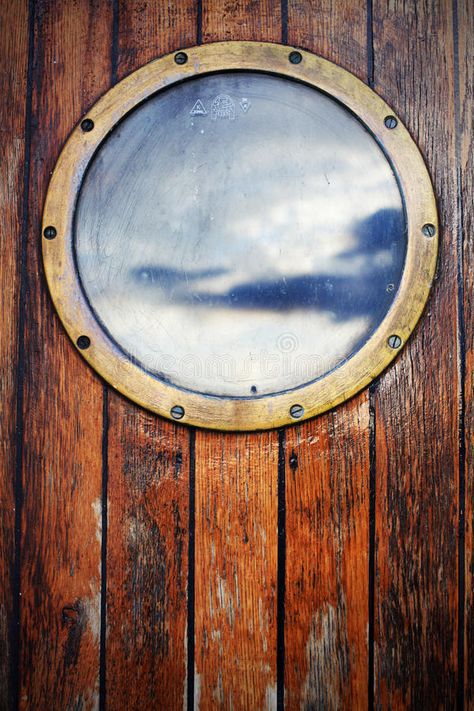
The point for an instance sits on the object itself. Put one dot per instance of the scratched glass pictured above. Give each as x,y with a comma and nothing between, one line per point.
240,234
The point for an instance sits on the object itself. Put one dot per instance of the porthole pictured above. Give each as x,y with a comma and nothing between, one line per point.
238,233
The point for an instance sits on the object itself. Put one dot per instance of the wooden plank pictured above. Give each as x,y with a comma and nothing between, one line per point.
148,480
465,26
236,503
327,481
236,524
417,400
62,467
13,80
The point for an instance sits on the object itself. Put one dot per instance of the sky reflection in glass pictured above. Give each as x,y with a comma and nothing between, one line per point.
240,234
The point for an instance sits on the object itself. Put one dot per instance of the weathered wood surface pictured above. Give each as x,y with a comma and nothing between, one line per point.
148,472
464,48
328,475
13,80
373,501
62,402
417,400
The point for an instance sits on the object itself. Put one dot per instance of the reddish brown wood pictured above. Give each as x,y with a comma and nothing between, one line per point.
61,521
327,480
236,525
13,76
148,481
236,503
417,400
465,25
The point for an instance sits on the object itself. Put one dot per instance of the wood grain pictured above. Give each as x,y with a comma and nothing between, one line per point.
236,524
236,502
465,27
327,489
61,516
417,400
13,80
148,477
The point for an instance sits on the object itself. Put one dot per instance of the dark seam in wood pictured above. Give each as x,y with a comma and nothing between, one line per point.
15,630
371,596
281,572
462,367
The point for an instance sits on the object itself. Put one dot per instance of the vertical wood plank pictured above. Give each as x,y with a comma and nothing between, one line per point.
61,522
148,480
236,502
236,524
465,27
417,400
13,90
328,472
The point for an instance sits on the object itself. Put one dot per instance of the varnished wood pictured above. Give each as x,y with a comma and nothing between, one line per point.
62,460
148,477
236,572
327,588
465,52
417,400
13,82
417,423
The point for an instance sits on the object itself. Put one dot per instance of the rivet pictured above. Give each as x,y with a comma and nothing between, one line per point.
181,58
429,230
394,341
87,125
50,232
177,412
297,411
295,57
83,342
390,121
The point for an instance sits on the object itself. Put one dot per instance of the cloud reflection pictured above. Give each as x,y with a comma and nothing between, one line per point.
200,240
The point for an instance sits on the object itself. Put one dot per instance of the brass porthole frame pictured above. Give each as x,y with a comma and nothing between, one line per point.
231,413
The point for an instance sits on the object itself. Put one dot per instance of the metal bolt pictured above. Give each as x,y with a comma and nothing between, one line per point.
181,58
50,232
83,342
87,125
390,121
297,411
177,412
429,230
295,57
394,342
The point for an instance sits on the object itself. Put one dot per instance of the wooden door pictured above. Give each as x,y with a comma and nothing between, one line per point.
145,564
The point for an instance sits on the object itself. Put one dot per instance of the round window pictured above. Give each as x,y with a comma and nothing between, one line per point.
238,241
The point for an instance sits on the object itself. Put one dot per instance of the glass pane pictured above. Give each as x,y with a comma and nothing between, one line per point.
240,234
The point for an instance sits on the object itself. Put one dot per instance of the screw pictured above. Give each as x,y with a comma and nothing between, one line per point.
390,121
50,232
394,342
295,57
253,389
83,342
177,412
429,230
181,58
297,411
87,125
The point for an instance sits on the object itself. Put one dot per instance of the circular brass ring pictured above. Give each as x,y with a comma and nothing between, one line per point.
226,413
